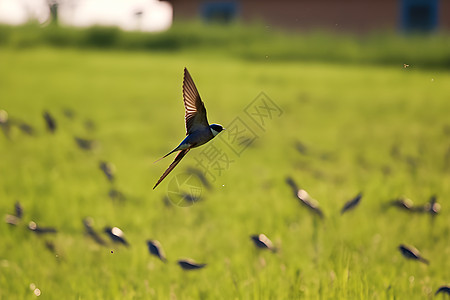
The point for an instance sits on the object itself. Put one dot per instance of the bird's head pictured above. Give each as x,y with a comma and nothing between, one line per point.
216,129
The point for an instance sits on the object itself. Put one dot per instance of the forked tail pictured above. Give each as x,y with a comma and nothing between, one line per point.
165,156
177,159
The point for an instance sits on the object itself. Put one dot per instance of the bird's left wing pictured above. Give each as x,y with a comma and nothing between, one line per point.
175,162
195,111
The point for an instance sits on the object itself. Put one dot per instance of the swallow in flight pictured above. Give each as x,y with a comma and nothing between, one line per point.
198,130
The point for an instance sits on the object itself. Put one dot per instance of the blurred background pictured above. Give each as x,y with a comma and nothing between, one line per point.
393,32
152,15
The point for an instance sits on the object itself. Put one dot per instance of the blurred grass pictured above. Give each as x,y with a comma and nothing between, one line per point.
350,117
254,42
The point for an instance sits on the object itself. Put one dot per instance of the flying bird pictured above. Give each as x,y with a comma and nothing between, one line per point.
49,121
189,264
351,204
116,235
155,248
412,253
198,130
262,241
445,289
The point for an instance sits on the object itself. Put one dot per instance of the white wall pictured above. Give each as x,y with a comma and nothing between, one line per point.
155,15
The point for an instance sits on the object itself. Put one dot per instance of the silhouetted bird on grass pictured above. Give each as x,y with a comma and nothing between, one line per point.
115,194
15,219
4,123
189,264
309,202
351,204
116,235
88,226
293,186
304,198
108,169
12,220
89,125
166,201
155,248
50,246
412,253
301,147
262,241
402,203
18,210
24,127
68,113
39,229
432,207
49,121
86,144
445,289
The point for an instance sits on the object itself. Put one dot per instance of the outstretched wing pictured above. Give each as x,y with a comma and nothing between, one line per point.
175,162
195,115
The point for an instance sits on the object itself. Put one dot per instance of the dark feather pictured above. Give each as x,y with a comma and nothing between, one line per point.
262,241
155,248
412,253
87,222
49,121
189,264
445,289
18,209
116,235
39,229
175,162
195,111
351,204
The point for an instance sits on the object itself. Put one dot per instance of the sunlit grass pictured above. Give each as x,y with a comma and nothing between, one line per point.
349,117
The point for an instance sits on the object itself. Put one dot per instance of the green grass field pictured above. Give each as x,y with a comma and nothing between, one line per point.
382,130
